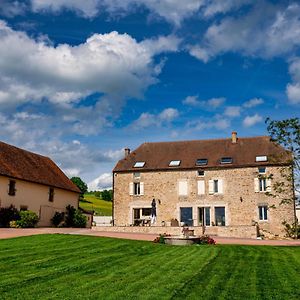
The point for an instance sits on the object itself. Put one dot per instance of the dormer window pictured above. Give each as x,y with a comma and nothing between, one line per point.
226,160
261,158
201,161
139,164
262,170
174,163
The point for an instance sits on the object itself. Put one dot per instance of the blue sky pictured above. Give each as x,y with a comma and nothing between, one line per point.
82,80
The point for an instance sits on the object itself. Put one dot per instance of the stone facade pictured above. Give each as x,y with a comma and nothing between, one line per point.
237,195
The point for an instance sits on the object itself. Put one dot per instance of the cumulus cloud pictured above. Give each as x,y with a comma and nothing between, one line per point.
103,182
147,119
268,30
113,63
219,124
253,102
293,89
252,120
212,103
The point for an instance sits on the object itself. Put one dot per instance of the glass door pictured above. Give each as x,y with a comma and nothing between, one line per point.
186,215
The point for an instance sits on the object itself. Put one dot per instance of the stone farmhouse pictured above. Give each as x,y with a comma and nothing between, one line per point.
218,186
30,181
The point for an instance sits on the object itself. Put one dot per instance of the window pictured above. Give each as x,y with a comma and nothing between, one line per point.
136,175
136,188
220,216
12,188
201,162
186,216
182,188
263,212
204,216
215,186
262,184
200,173
139,164
174,163
146,212
141,216
51,194
226,160
261,158
262,170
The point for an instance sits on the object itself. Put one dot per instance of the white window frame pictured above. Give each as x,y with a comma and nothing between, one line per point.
174,163
136,188
139,164
261,158
212,185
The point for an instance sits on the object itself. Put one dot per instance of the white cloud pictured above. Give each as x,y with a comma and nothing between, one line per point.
219,123
147,119
10,8
212,103
173,11
293,89
253,102
113,63
268,30
232,111
252,120
104,181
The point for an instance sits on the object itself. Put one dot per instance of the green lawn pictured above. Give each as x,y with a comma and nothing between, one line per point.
83,267
101,207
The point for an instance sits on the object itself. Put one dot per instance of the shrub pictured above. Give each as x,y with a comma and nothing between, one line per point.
161,238
70,216
79,219
293,230
58,218
206,240
8,214
28,219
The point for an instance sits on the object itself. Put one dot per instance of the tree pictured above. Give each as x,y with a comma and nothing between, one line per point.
80,184
106,195
287,134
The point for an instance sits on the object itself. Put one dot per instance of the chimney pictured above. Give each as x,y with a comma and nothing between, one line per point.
234,137
127,151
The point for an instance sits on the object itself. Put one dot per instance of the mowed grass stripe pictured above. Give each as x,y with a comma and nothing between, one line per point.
82,267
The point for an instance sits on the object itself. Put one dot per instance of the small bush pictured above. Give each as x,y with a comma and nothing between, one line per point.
292,230
8,214
161,238
206,240
58,218
13,224
79,219
69,221
28,219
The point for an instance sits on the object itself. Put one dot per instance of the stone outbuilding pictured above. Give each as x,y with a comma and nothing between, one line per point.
30,181
219,186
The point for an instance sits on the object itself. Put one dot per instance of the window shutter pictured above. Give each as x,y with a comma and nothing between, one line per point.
211,186
256,185
201,187
182,188
131,188
220,186
141,188
269,185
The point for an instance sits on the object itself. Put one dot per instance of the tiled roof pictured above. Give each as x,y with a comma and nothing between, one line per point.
157,156
21,164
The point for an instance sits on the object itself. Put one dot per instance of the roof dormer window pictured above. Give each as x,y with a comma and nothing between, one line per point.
261,158
174,163
226,160
139,164
201,162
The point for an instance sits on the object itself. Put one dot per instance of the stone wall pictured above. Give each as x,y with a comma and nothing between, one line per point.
239,199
